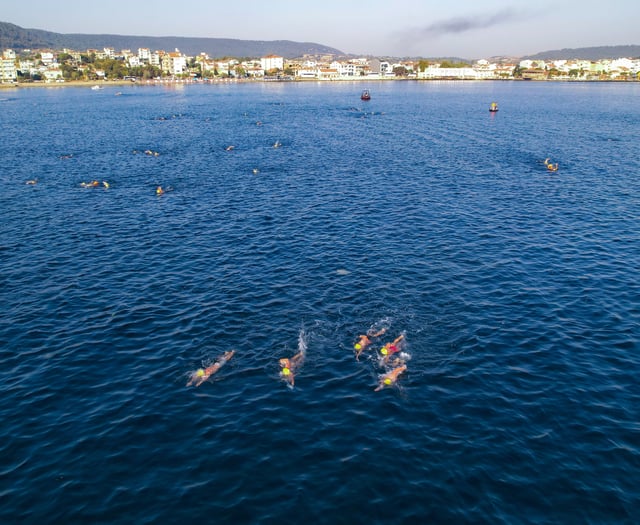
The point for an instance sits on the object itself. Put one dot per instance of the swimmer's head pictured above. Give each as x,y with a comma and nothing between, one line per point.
387,381
200,372
384,350
357,346
286,371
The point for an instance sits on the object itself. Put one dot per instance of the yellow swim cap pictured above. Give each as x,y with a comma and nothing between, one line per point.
286,371
384,351
387,381
200,372
357,346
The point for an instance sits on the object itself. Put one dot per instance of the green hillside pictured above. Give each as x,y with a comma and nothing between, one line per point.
18,38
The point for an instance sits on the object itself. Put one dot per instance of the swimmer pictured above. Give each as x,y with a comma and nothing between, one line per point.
230,148
391,348
256,171
92,184
390,378
365,340
277,144
105,184
32,181
159,190
202,374
288,367
550,166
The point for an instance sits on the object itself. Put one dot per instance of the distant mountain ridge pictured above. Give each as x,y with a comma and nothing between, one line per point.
17,38
589,53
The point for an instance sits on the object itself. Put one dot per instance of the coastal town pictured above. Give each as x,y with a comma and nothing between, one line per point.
46,66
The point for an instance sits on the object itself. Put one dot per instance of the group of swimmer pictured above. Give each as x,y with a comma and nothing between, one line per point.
390,358
104,184
95,184
148,152
288,368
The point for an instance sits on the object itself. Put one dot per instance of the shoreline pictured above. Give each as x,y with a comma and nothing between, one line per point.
152,83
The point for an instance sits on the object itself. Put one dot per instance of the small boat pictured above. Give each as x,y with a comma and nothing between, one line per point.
493,107
365,95
95,88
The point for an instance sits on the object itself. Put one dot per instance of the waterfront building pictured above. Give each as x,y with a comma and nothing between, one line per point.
144,55
8,72
272,62
174,63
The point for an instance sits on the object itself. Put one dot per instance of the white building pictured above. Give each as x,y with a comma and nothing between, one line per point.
144,55
47,58
458,73
8,72
272,62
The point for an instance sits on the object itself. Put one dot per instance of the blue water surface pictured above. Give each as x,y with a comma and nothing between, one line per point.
516,289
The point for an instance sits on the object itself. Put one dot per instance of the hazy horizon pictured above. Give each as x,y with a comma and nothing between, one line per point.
376,27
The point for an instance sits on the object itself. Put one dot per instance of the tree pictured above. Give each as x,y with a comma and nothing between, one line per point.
553,72
517,72
423,64
400,71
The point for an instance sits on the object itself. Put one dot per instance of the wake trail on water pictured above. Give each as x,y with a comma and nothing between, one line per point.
303,342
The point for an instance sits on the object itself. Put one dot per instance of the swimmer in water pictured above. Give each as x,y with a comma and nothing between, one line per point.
92,184
391,348
365,340
159,190
289,367
202,374
390,378
550,166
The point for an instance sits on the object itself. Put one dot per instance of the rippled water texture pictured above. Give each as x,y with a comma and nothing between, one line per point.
419,211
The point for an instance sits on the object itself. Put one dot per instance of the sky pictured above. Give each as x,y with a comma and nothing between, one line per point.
469,29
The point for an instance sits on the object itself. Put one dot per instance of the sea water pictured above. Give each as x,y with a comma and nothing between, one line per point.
516,288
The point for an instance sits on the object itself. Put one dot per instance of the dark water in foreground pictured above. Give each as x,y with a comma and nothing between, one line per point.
517,291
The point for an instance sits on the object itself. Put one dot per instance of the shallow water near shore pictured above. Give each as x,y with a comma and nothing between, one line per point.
418,211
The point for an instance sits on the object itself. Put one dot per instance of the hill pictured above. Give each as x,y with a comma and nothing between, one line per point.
588,53
17,38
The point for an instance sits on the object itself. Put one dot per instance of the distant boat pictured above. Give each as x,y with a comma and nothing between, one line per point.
365,95
96,87
493,107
